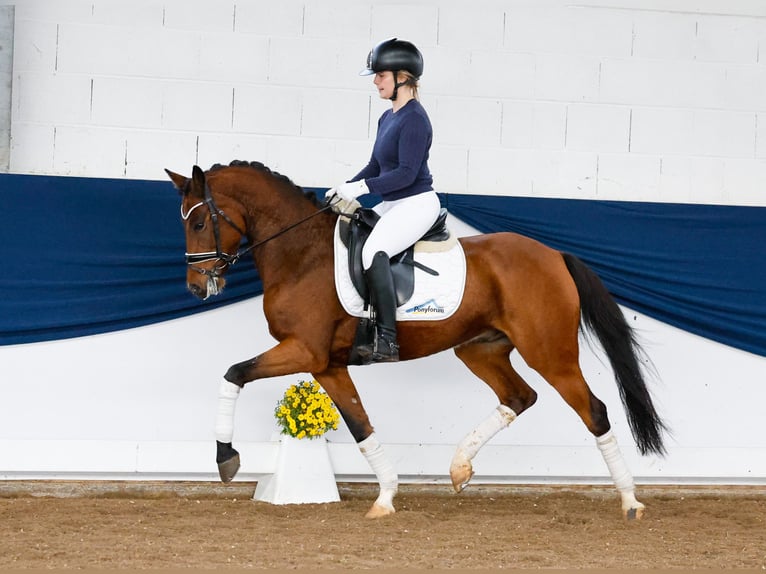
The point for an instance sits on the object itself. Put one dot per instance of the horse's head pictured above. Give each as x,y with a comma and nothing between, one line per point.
214,228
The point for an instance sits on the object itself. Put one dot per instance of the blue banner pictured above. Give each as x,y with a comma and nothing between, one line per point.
86,256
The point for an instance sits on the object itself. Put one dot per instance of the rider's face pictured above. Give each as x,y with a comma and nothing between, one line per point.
384,81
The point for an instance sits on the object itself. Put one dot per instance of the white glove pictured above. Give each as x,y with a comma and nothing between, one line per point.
350,191
339,205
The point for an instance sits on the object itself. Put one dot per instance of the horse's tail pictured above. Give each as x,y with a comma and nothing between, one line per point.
602,316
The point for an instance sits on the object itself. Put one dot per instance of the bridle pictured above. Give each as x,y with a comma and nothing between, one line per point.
225,259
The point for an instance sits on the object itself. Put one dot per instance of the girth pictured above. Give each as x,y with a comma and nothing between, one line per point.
355,231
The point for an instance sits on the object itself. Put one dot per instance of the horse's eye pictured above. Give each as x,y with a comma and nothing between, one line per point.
199,226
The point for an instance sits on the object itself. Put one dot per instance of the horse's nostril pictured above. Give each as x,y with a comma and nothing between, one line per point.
196,290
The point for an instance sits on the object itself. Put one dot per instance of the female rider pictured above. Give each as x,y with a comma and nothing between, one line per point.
398,173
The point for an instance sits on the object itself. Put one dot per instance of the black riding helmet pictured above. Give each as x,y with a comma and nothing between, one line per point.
394,55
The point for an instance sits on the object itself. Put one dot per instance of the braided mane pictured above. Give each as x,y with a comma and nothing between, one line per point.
258,166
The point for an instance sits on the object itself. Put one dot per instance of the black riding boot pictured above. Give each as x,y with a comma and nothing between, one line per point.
380,283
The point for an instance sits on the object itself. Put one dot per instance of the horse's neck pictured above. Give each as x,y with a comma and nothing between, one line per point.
286,252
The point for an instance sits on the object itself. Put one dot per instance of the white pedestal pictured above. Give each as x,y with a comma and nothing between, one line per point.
304,474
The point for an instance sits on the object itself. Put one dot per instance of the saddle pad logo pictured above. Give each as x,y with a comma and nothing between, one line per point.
430,307
434,298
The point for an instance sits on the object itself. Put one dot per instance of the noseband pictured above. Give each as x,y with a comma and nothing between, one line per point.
225,259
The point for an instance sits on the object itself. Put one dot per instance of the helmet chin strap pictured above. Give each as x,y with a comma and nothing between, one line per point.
397,85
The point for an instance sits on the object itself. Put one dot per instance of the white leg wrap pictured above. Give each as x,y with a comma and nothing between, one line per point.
228,393
623,480
383,469
500,418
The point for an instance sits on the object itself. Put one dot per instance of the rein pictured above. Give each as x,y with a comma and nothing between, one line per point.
219,255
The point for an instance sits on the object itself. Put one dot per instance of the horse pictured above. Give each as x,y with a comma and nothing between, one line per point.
519,294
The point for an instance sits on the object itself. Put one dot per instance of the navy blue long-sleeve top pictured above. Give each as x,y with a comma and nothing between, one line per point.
399,164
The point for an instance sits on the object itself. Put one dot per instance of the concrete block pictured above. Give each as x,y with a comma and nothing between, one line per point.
667,131
628,177
743,182
335,114
760,136
136,13
52,98
686,179
728,39
309,162
267,110
32,147
313,63
567,78
664,35
600,128
495,171
534,125
47,11
467,121
185,15
570,30
562,174
449,167
417,23
128,102
744,87
447,71
464,25
662,83
500,75
220,148
197,106
132,51
275,19
231,57
348,159
344,19
34,46
148,153
90,151
724,134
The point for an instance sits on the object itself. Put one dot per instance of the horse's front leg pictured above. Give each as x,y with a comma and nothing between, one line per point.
342,391
288,357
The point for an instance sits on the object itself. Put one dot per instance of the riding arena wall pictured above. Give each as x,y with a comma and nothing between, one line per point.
628,100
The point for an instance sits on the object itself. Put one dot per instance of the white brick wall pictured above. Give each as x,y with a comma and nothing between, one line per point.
622,99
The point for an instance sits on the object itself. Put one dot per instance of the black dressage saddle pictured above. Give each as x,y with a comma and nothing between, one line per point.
355,231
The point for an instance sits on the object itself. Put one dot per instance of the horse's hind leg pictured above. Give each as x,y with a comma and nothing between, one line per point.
342,391
564,374
488,358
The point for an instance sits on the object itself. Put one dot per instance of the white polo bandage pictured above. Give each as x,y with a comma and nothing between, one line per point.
623,480
500,418
228,393
383,469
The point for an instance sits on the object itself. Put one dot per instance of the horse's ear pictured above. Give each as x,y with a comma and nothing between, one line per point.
198,181
178,180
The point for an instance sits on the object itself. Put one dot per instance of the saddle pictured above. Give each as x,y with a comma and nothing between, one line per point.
355,230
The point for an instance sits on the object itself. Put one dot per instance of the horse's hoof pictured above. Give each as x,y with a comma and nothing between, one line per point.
634,513
228,469
461,475
378,511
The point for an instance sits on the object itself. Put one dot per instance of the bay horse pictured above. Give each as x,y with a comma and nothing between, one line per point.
519,294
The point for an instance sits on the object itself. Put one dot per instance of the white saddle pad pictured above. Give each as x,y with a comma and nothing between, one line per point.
434,297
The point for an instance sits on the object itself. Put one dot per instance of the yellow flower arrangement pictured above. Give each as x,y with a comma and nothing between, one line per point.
306,411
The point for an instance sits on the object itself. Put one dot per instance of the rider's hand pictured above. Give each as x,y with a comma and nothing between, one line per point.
340,205
350,191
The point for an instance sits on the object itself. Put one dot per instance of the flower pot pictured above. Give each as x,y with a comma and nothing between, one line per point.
304,474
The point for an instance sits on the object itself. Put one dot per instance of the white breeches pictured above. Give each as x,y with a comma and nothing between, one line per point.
402,222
